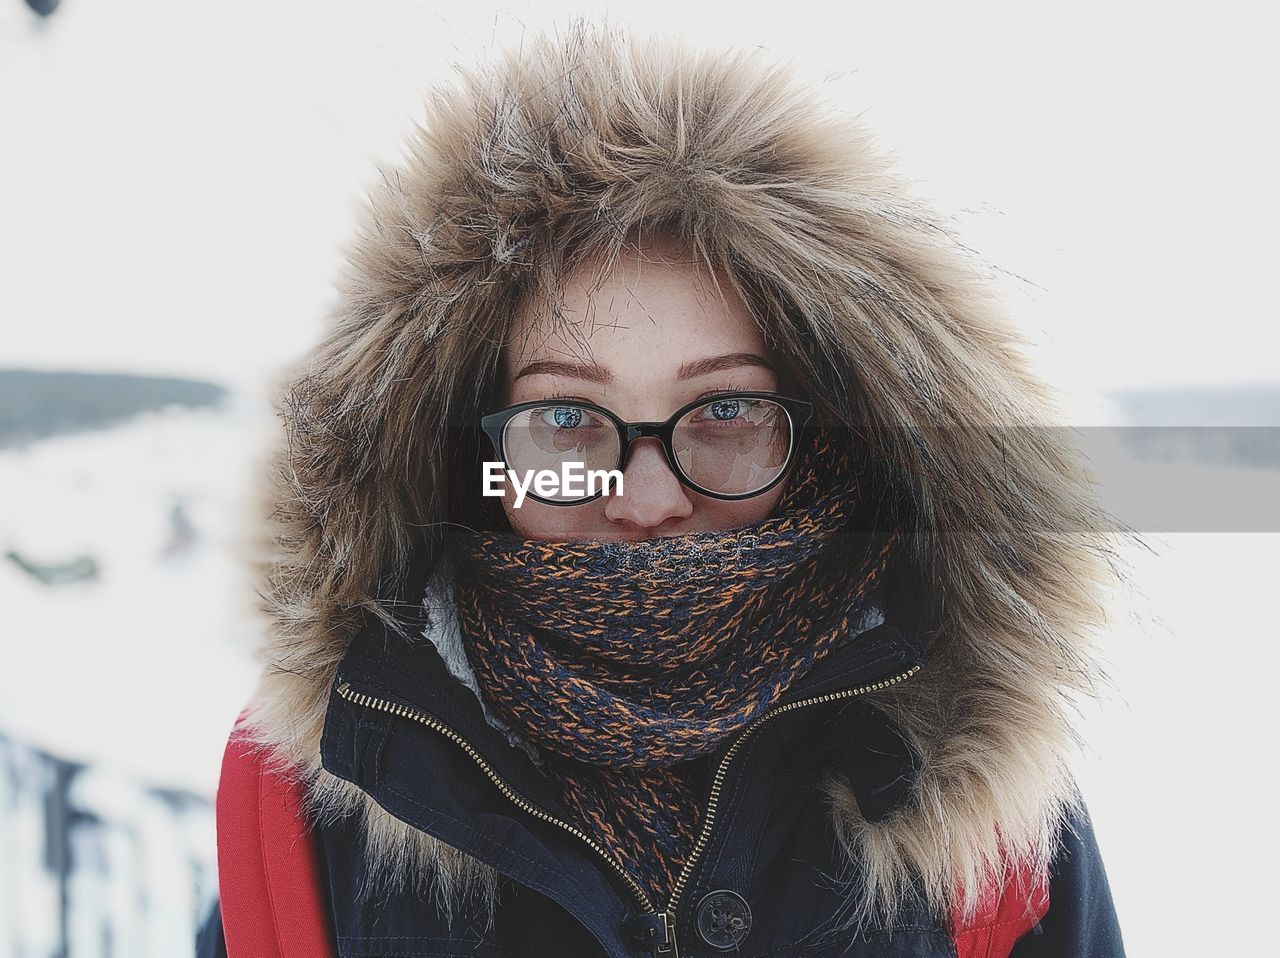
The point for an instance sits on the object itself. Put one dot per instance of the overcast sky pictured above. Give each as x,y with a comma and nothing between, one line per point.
178,178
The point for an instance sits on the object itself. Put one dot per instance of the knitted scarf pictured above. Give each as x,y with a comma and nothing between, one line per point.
629,662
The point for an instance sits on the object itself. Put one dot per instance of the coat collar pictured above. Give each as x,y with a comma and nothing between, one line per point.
419,664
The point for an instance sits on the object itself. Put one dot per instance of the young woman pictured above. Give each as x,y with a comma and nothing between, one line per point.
798,687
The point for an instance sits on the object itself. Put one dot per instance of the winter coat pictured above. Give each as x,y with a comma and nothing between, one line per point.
910,795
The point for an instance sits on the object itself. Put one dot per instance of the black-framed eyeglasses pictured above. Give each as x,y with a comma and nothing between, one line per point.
731,445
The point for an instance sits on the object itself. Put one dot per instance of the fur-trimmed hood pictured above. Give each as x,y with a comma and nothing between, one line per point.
563,148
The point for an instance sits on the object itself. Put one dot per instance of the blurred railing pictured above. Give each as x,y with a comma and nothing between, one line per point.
94,864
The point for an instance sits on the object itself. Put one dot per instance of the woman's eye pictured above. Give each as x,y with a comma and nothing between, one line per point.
725,409
562,417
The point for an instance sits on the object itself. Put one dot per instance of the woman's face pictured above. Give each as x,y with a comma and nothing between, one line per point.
648,340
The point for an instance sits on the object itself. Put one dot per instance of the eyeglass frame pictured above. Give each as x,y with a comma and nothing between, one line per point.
799,412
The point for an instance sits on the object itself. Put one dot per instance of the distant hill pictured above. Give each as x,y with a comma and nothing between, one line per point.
1228,424
34,404
1252,405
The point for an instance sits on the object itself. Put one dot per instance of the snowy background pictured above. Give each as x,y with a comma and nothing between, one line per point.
176,183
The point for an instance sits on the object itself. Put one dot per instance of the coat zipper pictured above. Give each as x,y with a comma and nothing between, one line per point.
667,947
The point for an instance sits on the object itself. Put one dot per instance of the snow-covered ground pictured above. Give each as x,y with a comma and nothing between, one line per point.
117,691
176,183
145,667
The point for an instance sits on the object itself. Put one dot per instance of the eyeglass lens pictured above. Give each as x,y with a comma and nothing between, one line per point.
731,445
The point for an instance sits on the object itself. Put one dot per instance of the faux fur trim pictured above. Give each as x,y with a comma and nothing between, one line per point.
565,148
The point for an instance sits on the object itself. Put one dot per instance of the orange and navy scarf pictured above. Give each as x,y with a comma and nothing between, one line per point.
628,662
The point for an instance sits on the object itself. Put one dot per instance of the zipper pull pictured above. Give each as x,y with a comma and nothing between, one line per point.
653,930
667,946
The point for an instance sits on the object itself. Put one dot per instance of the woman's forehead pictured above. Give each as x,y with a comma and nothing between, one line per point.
649,313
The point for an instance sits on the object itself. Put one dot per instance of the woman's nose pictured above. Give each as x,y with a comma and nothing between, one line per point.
651,492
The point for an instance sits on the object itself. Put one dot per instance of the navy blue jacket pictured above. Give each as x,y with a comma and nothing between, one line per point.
768,860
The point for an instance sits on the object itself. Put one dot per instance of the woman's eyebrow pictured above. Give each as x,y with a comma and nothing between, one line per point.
594,372
715,364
